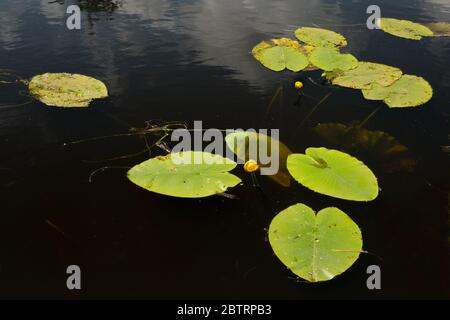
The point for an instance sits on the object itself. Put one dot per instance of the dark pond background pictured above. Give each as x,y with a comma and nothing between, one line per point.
189,60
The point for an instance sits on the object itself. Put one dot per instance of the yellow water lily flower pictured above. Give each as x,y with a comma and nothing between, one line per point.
251,166
298,85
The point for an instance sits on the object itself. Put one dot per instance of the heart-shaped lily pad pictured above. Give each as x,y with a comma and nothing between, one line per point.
189,174
315,247
66,90
280,54
408,91
333,173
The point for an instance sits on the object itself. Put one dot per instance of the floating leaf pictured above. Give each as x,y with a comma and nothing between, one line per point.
280,54
439,29
318,37
405,28
240,141
329,59
315,247
189,174
384,151
333,173
364,75
66,90
408,91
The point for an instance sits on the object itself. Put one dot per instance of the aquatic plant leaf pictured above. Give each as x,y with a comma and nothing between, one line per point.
315,247
280,54
66,90
364,75
333,173
318,37
240,141
439,29
329,59
408,91
190,174
385,152
405,28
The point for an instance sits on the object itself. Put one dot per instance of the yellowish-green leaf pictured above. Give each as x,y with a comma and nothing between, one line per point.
364,75
318,37
66,90
280,54
408,91
333,173
189,174
315,247
405,28
329,59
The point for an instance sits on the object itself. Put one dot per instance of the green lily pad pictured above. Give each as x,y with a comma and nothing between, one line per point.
280,54
189,174
439,29
240,141
385,152
318,37
364,75
408,91
405,28
315,247
329,59
66,90
333,173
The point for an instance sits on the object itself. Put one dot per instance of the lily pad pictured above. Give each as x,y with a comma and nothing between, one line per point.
318,37
329,59
385,152
66,90
280,54
315,247
439,29
405,28
189,174
364,75
333,173
240,141
408,91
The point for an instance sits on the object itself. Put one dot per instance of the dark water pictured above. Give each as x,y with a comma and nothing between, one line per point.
185,61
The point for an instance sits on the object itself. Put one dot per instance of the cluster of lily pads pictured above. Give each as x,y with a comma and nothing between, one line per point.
315,247
320,49
319,247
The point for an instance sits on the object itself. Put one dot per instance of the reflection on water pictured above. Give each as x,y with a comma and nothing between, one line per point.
190,60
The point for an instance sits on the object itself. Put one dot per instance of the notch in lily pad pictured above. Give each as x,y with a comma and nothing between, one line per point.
66,89
315,247
188,174
333,173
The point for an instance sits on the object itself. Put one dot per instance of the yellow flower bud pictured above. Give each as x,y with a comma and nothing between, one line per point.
298,84
251,166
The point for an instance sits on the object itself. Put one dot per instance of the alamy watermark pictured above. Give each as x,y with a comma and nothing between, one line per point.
373,21
264,149
73,22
